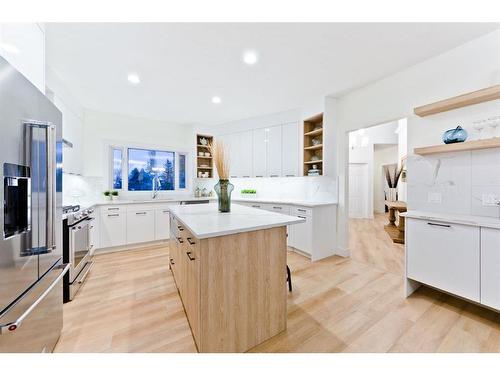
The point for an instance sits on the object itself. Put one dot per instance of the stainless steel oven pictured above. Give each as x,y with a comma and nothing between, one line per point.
77,251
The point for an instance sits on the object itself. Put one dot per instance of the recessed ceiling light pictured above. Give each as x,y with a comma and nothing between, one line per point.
10,48
216,99
250,57
134,78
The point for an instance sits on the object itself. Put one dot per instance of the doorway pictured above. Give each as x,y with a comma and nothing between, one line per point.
376,153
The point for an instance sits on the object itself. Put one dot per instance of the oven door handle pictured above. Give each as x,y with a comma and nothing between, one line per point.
11,327
89,266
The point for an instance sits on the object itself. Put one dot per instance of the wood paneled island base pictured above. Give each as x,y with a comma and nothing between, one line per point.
233,287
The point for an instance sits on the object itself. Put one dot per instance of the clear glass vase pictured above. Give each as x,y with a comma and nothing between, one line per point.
223,188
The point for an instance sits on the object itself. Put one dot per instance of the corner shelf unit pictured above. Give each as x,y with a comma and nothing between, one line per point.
313,129
204,163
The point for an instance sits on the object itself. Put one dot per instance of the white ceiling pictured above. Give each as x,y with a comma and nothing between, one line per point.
181,66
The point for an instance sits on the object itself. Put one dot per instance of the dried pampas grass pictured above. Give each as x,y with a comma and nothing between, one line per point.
221,158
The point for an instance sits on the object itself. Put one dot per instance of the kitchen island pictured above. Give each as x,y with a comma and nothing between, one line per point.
230,270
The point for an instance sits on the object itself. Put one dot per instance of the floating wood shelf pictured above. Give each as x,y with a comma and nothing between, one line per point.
313,161
314,132
204,157
203,167
203,146
455,147
315,147
475,97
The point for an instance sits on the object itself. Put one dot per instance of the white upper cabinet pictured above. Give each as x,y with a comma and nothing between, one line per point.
72,132
245,143
259,153
265,152
273,151
23,46
290,150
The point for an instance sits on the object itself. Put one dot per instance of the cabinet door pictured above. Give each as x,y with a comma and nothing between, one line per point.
274,151
290,150
490,267
443,255
140,226
302,235
113,228
231,141
259,157
245,150
162,224
192,280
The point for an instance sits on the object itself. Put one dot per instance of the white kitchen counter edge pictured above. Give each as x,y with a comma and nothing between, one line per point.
224,232
477,221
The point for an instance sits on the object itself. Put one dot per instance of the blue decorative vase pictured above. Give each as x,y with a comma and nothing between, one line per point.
456,135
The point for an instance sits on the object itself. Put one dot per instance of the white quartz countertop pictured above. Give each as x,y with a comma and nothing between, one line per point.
295,202
205,221
477,221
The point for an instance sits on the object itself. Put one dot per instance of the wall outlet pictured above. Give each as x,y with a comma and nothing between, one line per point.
490,200
434,197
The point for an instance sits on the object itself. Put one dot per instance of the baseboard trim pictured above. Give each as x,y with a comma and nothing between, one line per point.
130,247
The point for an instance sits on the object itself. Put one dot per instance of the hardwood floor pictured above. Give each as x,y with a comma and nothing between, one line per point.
130,304
369,243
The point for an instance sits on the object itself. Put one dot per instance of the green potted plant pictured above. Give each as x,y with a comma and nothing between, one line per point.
107,195
248,193
114,195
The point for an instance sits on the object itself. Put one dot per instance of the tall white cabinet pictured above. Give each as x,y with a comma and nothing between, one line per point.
23,46
264,152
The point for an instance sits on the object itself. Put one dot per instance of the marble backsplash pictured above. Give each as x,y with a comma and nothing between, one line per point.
455,183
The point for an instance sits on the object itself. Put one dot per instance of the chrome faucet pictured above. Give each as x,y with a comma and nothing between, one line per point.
156,186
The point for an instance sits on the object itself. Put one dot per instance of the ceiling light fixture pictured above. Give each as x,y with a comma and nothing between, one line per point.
10,48
250,57
216,100
134,78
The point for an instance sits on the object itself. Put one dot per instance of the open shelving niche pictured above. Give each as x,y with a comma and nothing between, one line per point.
204,163
313,129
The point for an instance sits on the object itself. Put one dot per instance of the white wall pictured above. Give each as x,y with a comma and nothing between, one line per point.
469,67
104,129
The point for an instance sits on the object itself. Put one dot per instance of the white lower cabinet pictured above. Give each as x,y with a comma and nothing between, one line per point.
140,226
113,231
490,267
302,235
445,256
162,224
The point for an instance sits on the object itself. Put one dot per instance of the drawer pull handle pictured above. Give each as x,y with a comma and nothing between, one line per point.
172,261
180,228
277,207
274,175
189,255
191,242
301,210
290,175
166,211
259,176
141,213
302,217
439,225
246,176
255,206
113,208
113,215
180,240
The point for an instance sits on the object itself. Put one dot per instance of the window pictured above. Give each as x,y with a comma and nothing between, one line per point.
182,171
144,166
117,168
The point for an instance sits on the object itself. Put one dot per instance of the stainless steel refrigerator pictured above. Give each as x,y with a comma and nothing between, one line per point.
31,269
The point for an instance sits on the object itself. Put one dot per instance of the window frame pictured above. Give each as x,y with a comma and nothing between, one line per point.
125,147
111,167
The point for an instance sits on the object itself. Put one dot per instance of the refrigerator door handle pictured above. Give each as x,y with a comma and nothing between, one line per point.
11,327
51,173
51,187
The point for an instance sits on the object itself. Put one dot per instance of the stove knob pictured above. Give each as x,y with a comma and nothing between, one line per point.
90,210
85,212
78,216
